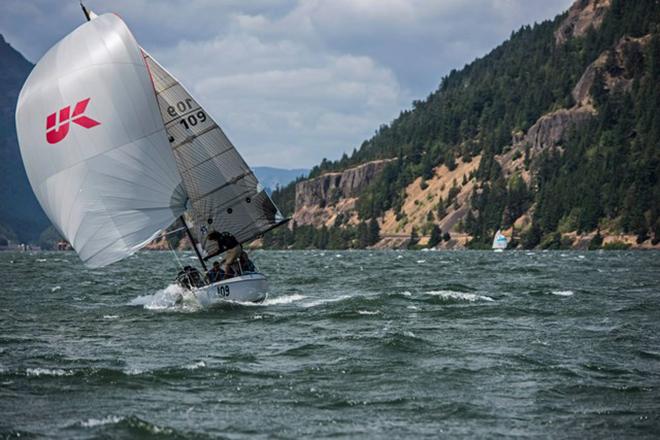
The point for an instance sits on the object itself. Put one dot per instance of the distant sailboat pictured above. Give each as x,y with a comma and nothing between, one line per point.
500,242
117,150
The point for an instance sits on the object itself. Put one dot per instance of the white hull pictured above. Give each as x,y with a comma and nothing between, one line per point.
251,287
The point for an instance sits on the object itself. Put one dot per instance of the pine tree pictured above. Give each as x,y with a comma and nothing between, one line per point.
414,239
374,232
362,235
436,236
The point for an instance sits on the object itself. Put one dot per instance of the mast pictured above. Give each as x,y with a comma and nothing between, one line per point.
192,242
85,11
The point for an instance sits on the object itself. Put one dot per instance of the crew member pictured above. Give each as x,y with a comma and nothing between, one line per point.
227,242
215,273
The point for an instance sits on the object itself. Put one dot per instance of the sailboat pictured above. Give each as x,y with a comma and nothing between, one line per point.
500,242
117,150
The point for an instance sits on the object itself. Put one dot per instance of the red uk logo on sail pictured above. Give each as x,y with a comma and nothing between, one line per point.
55,133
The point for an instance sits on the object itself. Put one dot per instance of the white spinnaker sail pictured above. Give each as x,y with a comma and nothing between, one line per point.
224,194
94,145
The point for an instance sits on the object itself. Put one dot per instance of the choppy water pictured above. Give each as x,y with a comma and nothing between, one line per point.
349,344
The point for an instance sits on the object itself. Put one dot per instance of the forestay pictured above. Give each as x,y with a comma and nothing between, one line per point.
223,192
94,145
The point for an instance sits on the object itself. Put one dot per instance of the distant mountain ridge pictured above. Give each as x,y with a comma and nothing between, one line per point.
272,178
20,212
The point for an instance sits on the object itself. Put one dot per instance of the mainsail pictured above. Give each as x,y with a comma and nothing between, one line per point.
94,146
224,194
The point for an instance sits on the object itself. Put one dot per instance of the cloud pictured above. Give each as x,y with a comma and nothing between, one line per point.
293,81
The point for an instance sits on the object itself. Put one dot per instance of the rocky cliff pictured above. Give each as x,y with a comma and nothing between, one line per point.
320,200
615,67
582,16
330,187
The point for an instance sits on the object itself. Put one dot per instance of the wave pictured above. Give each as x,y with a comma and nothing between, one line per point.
319,302
53,372
562,292
108,374
285,299
195,365
92,423
403,341
173,297
135,426
460,296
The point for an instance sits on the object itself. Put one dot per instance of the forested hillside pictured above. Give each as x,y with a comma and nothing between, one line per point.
21,217
557,129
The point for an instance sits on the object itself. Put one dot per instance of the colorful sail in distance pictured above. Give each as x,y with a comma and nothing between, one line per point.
500,242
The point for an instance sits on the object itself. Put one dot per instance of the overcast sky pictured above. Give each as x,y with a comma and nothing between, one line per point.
293,81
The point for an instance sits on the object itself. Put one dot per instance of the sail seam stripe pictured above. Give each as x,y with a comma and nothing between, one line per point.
192,138
231,182
206,160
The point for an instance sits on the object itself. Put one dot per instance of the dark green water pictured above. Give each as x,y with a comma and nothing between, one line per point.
349,344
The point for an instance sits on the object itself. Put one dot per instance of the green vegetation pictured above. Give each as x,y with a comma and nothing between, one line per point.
616,246
338,236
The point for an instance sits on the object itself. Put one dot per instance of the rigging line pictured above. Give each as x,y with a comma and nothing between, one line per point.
193,243
165,234
176,257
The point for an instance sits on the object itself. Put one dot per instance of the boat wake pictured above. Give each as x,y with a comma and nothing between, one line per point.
173,297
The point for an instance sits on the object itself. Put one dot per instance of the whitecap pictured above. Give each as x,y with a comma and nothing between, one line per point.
412,307
48,372
406,293
409,334
421,261
367,312
285,299
91,423
195,366
325,301
110,316
56,288
562,292
337,255
398,257
463,296
42,260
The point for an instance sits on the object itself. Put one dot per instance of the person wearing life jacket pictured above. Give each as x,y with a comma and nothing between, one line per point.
215,273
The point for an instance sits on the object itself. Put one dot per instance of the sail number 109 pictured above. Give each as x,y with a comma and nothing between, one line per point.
187,121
